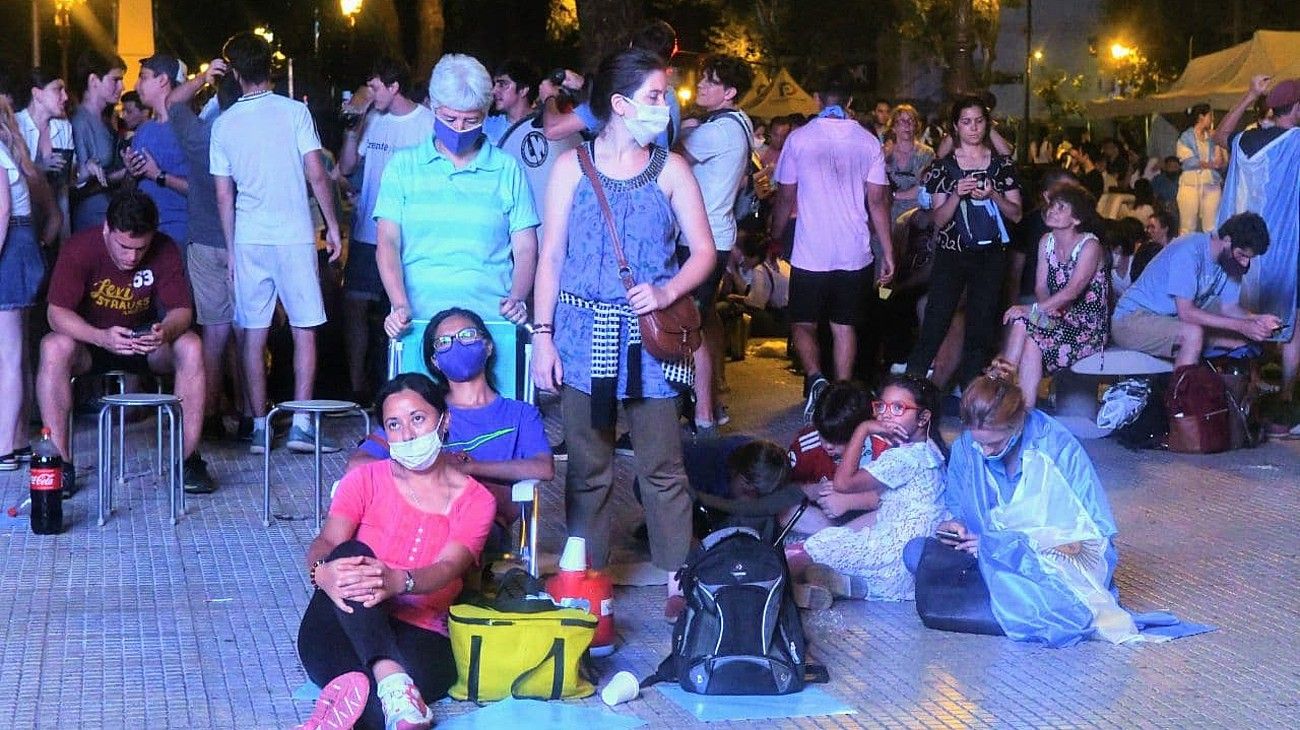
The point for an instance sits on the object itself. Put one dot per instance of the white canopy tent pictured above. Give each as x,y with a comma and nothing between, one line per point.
1217,78
778,97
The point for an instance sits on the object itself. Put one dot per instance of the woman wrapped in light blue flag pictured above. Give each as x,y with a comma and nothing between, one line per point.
1027,504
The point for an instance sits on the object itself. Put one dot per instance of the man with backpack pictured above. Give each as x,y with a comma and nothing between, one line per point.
718,147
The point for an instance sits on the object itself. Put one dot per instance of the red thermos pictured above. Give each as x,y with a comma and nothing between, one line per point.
575,583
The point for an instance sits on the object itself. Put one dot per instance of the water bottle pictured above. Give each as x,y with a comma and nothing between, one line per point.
47,487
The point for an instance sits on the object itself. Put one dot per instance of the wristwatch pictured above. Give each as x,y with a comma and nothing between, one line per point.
161,180
410,583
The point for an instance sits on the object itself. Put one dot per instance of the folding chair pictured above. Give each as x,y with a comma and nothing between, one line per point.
511,378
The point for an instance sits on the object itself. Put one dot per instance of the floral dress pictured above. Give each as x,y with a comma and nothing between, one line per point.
909,508
1082,328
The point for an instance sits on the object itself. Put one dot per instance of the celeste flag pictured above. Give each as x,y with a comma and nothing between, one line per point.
1269,184
1046,550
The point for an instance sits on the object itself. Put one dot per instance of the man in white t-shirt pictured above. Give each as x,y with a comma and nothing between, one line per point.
718,148
264,152
515,88
395,123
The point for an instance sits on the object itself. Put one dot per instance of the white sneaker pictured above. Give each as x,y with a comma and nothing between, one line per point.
404,708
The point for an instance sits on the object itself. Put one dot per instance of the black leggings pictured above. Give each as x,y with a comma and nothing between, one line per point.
979,274
332,643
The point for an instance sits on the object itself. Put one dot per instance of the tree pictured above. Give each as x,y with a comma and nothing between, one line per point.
956,34
605,25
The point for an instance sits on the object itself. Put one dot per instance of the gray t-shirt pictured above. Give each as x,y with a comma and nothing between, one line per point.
535,153
720,148
1184,270
195,136
93,141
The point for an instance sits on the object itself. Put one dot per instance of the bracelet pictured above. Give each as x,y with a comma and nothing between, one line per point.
543,328
311,574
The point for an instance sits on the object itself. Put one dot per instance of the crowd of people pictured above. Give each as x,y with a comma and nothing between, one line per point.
912,257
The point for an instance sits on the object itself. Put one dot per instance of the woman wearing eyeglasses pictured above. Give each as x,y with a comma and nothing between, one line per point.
895,460
494,439
1028,512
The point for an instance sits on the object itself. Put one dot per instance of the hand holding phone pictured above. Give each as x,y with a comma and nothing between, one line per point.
948,536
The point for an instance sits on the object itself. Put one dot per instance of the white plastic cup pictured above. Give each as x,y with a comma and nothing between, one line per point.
622,688
574,557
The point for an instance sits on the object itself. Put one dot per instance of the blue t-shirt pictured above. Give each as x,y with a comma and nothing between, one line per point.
502,430
494,127
1184,269
159,138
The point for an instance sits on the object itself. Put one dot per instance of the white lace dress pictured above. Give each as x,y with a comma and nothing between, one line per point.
911,507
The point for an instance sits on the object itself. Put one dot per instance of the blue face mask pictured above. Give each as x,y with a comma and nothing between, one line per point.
1006,448
463,362
458,143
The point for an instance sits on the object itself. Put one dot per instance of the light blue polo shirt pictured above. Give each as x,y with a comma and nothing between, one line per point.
456,226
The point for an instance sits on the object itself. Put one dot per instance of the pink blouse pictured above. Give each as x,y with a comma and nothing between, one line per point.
406,537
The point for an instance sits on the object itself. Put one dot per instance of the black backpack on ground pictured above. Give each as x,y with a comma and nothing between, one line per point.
740,633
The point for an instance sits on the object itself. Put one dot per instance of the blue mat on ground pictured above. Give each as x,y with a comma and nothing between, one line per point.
1164,623
811,702
538,715
308,692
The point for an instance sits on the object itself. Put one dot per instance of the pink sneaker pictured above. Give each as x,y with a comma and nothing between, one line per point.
340,704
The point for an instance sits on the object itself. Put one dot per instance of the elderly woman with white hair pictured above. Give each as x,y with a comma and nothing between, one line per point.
457,225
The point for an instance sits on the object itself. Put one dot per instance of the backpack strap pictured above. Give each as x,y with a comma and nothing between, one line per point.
713,538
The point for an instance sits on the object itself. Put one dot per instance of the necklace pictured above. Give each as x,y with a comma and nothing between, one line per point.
414,496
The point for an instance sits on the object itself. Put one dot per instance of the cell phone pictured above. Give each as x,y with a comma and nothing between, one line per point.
947,535
142,330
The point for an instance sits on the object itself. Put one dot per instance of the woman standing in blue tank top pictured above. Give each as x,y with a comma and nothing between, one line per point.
586,340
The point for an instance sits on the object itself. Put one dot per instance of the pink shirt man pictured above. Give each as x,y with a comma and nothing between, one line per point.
831,161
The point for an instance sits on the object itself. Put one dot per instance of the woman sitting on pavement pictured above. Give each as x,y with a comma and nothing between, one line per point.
387,565
897,459
1029,511
1071,318
494,439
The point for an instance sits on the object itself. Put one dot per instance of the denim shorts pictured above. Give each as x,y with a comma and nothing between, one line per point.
21,268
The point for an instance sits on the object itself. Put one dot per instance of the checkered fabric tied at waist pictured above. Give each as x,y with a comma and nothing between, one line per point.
604,343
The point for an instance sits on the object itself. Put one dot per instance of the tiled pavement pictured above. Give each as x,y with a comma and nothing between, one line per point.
142,625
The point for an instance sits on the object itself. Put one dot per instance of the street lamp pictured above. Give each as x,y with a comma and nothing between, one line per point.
350,9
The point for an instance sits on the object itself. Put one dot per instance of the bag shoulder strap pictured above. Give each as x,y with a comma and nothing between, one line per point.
589,169
557,681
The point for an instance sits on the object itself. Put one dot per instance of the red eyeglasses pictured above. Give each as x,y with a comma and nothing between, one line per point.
894,408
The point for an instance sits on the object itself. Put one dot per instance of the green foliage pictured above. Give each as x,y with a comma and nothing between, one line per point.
1058,91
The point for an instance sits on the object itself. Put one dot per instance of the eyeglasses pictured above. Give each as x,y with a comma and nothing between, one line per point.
894,408
442,343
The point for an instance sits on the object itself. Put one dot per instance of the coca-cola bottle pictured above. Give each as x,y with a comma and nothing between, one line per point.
47,487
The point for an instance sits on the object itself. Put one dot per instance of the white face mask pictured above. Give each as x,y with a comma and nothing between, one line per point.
650,121
419,453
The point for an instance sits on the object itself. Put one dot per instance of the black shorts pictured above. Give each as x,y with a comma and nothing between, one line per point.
361,274
838,296
103,361
706,294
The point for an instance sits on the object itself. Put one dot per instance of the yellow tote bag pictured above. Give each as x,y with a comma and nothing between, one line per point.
502,654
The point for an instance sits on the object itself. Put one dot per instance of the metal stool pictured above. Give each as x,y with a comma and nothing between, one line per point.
117,380
168,404
316,408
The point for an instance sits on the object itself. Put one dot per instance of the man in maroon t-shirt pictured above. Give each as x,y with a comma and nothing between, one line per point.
119,300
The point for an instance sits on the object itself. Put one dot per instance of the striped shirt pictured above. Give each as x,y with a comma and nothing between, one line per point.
456,225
